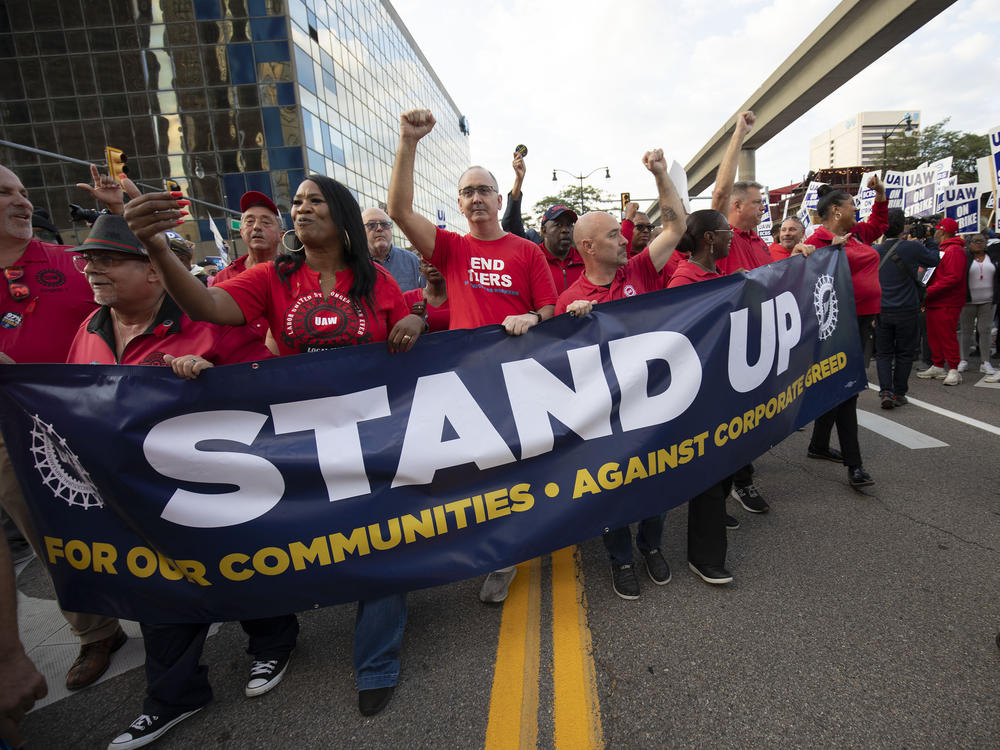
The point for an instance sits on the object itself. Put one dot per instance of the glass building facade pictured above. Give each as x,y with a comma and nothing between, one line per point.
223,96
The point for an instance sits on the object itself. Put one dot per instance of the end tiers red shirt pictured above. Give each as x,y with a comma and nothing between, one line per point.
42,327
302,321
171,332
491,279
637,276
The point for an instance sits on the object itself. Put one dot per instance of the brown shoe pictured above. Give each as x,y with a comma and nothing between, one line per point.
93,660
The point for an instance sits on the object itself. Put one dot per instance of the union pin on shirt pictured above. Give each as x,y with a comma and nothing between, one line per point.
314,324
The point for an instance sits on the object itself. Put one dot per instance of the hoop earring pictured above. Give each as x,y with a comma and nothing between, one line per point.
347,240
285,245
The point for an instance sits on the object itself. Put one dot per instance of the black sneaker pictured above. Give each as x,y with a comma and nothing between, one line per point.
145,730
732,522
656,567
888,400
371,702
900,400
827,454
858,477
265,675
750,499
624,581
713,574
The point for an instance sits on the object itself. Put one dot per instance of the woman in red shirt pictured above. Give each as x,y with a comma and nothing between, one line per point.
836,212
324,292
705,240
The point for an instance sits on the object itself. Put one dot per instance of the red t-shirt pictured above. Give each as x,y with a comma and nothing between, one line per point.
691,273
489,280
950,281
638,276
565,271
747,251
234,269
41,328
302,321
862,257
670,267
437,317
171,332
778,251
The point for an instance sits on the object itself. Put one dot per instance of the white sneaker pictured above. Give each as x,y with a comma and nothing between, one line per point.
963,366
994,378
987,368
933,372
952,378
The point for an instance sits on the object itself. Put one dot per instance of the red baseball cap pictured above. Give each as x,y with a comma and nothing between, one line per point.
254,198
948,225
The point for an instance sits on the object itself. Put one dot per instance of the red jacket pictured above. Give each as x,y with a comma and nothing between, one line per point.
862,257
566,271
948,284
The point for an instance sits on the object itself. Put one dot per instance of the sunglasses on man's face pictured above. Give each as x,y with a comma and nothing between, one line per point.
18,290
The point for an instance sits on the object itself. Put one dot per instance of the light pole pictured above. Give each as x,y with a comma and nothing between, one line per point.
581,178
908,119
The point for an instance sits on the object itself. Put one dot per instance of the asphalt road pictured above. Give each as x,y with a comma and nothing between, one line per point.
857,619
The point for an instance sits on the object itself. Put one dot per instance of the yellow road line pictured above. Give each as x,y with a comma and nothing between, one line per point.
577,708
514,698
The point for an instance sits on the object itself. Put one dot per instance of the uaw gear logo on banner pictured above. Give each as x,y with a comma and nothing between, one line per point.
348,474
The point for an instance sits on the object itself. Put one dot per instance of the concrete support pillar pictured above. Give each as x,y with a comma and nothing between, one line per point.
748,164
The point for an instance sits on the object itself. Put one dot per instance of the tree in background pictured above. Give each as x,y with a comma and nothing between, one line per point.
933,143
593,200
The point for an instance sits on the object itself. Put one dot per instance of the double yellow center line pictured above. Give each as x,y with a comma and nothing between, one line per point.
513,720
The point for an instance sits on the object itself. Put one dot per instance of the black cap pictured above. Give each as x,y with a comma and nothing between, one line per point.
111,232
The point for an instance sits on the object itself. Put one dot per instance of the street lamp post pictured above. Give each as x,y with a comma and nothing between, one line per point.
908,119
581,178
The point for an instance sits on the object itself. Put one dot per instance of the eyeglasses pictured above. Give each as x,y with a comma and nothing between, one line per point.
18,290
644,227
371,226
100,262
483,190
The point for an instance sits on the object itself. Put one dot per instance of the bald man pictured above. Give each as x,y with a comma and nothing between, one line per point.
492,277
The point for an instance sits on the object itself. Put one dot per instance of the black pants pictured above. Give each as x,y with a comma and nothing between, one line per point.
707,525
743,477
175,680
896,337
844,415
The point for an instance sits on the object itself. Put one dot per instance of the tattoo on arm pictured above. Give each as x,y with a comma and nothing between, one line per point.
669,214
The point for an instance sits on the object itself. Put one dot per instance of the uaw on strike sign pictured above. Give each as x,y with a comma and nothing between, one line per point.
321,478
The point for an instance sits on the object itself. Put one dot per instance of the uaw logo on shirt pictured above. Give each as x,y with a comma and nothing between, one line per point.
825,303
312,323
60,468
628,290
51,278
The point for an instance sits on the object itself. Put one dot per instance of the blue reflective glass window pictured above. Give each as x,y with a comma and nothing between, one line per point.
272,126
304,69
285,158
336,152
257,7
316,162
271,51
286,94
295,178
235,185
241,67
297,10
268,28
207,10
259,181
329,83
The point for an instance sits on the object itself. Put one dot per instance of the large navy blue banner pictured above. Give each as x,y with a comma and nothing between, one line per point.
322,478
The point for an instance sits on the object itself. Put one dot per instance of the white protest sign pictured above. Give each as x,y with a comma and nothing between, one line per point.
894,188
764,228
865,198
220,244
809,203
918,191
680,179
960,203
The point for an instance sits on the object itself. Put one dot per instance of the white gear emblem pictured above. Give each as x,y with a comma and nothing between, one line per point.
60,469
825,303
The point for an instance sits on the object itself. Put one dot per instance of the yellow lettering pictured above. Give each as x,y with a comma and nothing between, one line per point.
584,484
317,551
665,458
342,545
141,562
78,554
609,476
227,563
54,548
375,534
193,571
496,504
521,497
720,438
635,470
104,558
458,509
423,526
262,557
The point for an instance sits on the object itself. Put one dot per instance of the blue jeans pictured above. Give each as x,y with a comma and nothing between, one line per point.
378,636
618,542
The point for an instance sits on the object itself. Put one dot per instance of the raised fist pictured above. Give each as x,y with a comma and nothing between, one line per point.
416,123
745,121
654,161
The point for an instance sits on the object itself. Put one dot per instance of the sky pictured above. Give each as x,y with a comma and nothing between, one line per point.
591,84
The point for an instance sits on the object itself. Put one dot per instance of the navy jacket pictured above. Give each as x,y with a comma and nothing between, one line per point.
899,292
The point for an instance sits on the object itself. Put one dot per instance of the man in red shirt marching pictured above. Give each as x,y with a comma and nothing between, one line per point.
492,277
